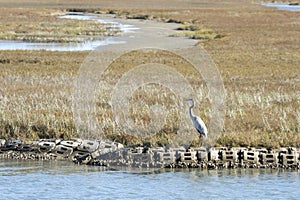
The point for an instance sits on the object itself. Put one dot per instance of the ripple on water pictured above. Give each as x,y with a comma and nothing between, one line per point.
65,180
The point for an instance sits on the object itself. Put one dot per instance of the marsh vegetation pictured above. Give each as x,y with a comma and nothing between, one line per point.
257,56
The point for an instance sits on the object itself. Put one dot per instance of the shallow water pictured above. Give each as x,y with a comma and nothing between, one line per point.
85,46
115,25
64,180
287,7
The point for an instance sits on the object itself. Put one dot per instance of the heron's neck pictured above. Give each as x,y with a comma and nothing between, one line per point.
191,111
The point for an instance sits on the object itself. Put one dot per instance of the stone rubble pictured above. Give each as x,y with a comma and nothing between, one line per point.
115,155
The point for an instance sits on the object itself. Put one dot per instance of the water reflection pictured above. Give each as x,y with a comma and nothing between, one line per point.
65,180
18,167
24,167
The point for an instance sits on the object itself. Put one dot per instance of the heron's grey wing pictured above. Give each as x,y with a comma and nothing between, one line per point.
200,126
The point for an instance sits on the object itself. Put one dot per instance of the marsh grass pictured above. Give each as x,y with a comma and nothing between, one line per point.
148,97
200,34
258,60
36,102
195,32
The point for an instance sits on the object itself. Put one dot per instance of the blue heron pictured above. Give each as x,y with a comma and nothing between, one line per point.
197,121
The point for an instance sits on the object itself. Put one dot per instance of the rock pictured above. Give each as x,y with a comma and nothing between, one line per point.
105,153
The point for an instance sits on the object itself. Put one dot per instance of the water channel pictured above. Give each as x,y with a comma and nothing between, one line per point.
65,180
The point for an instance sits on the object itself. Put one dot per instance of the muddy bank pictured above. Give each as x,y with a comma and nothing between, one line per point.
115,155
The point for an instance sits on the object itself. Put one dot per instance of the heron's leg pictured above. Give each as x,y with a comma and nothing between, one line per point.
201,140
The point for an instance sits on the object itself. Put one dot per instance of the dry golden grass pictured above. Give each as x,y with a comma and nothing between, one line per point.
258,58
35,93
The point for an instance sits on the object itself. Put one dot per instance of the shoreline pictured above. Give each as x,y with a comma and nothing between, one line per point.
115,155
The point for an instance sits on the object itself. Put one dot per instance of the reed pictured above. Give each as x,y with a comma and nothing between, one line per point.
36,102
258,58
